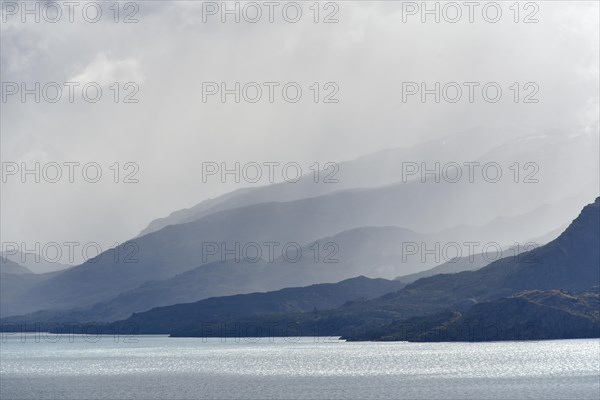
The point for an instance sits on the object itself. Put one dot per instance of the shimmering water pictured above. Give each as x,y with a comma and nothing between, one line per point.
157,367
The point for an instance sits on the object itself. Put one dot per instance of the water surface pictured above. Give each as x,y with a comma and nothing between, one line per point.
157,367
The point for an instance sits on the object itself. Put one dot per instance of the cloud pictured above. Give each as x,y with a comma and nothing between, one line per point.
105,71
170,131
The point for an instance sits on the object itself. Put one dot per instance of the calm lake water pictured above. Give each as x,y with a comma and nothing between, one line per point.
157,367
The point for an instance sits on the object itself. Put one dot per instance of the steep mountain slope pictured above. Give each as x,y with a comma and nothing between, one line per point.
529,315
196,212
449,267
476,261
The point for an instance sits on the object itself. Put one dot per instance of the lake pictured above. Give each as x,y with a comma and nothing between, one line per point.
158,367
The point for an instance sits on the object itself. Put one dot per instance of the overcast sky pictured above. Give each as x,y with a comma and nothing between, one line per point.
170,52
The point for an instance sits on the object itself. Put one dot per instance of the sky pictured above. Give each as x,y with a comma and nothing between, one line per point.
363,64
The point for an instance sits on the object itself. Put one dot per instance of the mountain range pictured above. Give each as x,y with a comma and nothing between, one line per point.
551,292
364,220
570,263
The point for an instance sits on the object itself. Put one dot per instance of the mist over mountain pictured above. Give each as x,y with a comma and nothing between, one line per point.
34,262
391,166
300,200
476,261
372,170
182,316
483,211
370,251
10,267
374,252
13,286
549,293
571,263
